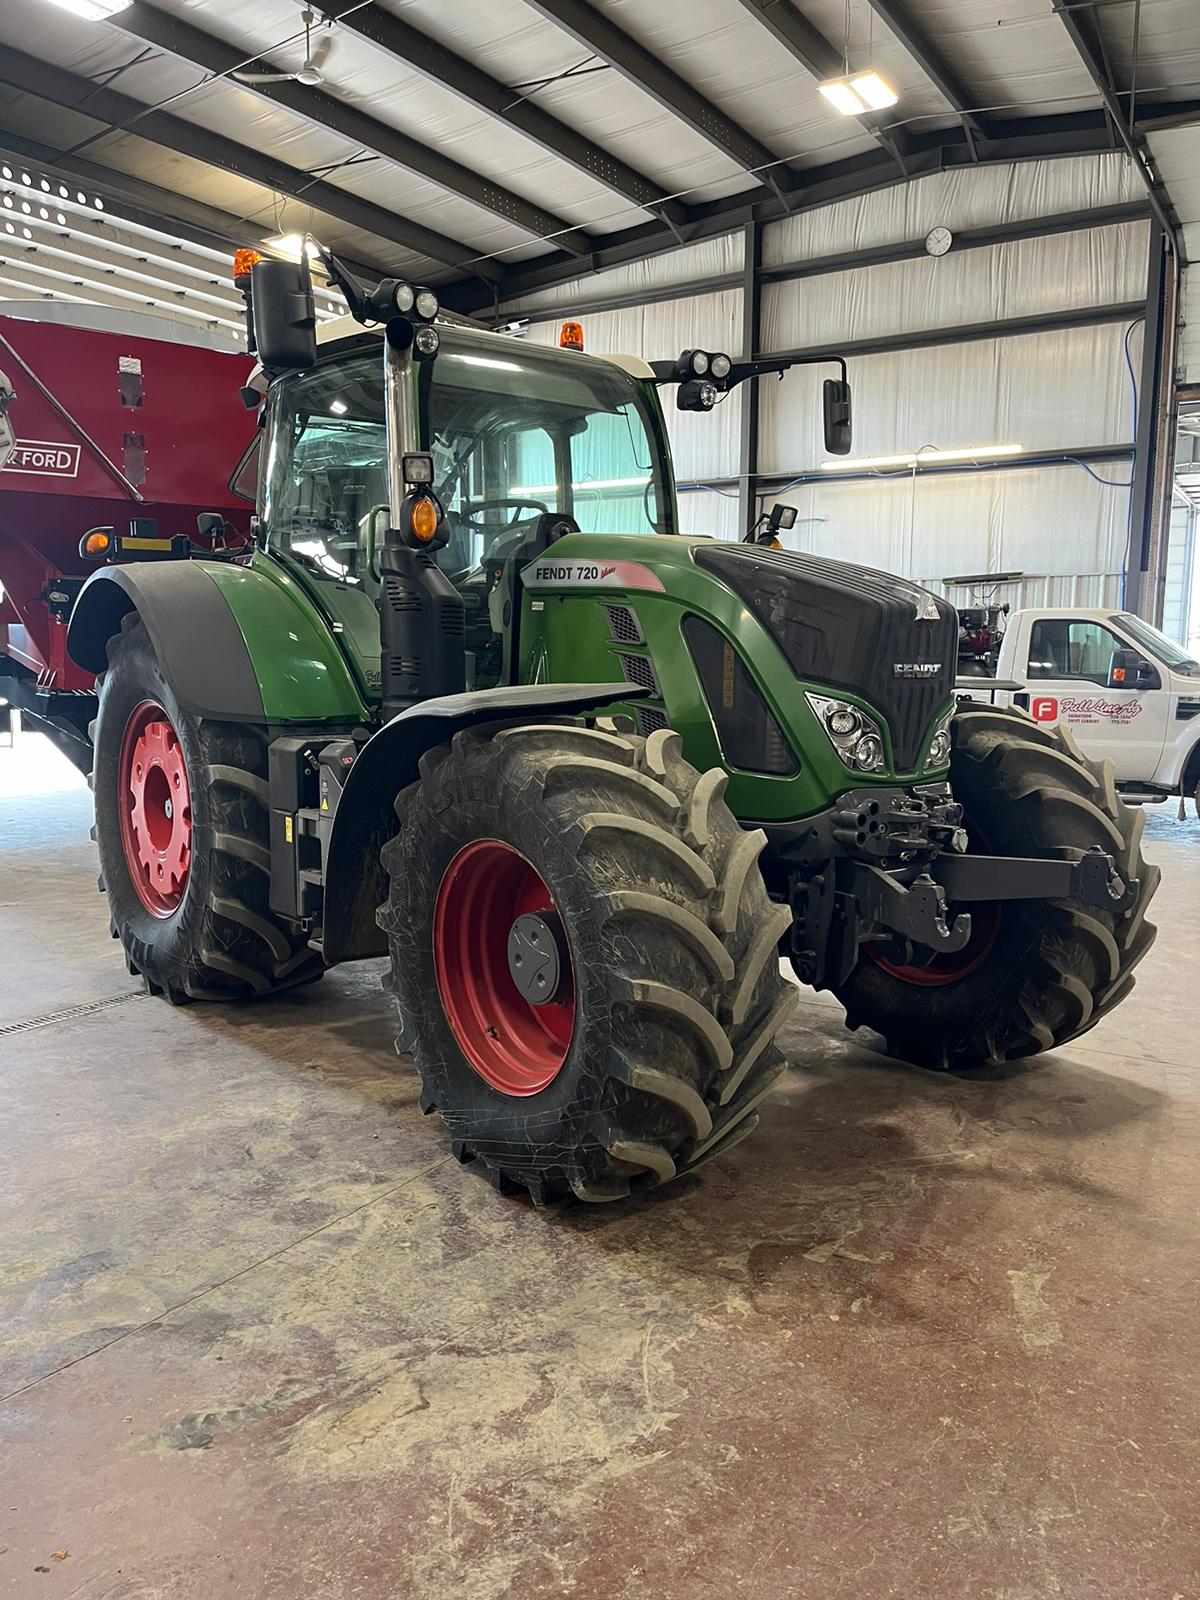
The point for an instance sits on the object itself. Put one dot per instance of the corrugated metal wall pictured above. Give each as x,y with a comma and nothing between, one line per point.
1056,391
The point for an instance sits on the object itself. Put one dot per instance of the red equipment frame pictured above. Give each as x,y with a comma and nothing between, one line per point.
111,425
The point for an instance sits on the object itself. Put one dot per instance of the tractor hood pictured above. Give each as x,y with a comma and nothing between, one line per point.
867,633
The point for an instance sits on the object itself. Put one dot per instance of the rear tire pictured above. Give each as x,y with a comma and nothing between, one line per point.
215,937
670,950
1052,968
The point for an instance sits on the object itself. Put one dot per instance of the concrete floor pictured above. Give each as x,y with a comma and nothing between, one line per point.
261,1337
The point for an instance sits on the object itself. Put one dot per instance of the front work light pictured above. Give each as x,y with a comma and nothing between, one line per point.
417,467
696,395
426,342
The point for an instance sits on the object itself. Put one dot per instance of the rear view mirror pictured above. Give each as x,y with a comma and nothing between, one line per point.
1129,669
835,405
285,324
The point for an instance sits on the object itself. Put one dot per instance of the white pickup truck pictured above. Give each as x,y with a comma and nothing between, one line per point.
1126,692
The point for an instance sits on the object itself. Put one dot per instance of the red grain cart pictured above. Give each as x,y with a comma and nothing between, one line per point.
118,418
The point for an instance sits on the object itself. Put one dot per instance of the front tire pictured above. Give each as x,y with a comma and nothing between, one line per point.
1036,973
657,1043
182,830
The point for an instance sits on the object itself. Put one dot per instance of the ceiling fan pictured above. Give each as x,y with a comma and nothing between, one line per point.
310,74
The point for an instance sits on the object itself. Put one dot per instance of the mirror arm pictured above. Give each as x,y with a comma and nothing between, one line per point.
353,292
761,367
766,365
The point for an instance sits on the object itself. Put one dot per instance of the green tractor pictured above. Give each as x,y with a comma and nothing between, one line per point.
471,701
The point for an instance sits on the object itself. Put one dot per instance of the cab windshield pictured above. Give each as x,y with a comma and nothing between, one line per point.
325,467
519,430
1167,651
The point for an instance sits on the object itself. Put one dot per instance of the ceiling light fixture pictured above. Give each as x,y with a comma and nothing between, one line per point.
858,92
290,245
92,10
930,457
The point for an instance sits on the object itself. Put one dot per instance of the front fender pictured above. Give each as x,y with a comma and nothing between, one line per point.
238,643
365,819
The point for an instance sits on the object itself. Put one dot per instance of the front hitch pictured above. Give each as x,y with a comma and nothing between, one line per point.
916,911
1092,880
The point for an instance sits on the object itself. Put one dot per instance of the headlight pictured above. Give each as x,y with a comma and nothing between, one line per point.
403,296
427,304
868,753
699,362
721,365
857,737
938,754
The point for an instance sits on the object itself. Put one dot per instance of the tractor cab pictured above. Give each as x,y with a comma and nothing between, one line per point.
525,440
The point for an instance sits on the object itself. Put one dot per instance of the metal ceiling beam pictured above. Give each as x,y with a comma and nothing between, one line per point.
79,94
202,50
1084,33
633,61
821,59
920,47
971,332
507,105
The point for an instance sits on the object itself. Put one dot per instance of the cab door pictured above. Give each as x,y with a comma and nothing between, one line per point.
1070,678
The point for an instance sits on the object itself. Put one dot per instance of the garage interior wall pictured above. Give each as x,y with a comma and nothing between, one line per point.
1056,391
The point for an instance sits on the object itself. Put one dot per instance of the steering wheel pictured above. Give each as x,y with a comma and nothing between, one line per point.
469,514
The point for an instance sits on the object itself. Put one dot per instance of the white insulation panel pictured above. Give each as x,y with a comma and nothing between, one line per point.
1052,391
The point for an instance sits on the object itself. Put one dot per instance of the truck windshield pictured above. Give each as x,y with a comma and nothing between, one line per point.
1167,651
517,430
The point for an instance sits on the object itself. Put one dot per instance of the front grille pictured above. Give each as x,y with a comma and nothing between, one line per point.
624,626
750,736
650,721
849,628
640,670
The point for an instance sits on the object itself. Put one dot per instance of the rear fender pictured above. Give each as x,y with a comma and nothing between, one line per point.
237,643
355,882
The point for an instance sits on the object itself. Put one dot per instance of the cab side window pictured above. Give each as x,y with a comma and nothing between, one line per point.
1067,647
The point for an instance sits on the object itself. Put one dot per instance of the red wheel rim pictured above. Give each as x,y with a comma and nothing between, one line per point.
155,808
947,969
515,1046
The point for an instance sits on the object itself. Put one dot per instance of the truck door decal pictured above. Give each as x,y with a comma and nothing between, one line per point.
1081,710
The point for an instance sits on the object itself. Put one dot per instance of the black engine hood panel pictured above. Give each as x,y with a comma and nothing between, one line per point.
867,633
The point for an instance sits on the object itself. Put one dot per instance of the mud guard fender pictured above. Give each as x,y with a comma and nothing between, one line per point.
236,644
355,882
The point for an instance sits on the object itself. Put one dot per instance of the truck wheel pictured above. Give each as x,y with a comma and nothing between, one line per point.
182,829
584,957
1035,973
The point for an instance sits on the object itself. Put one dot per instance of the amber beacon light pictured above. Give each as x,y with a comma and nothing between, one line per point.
570,336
